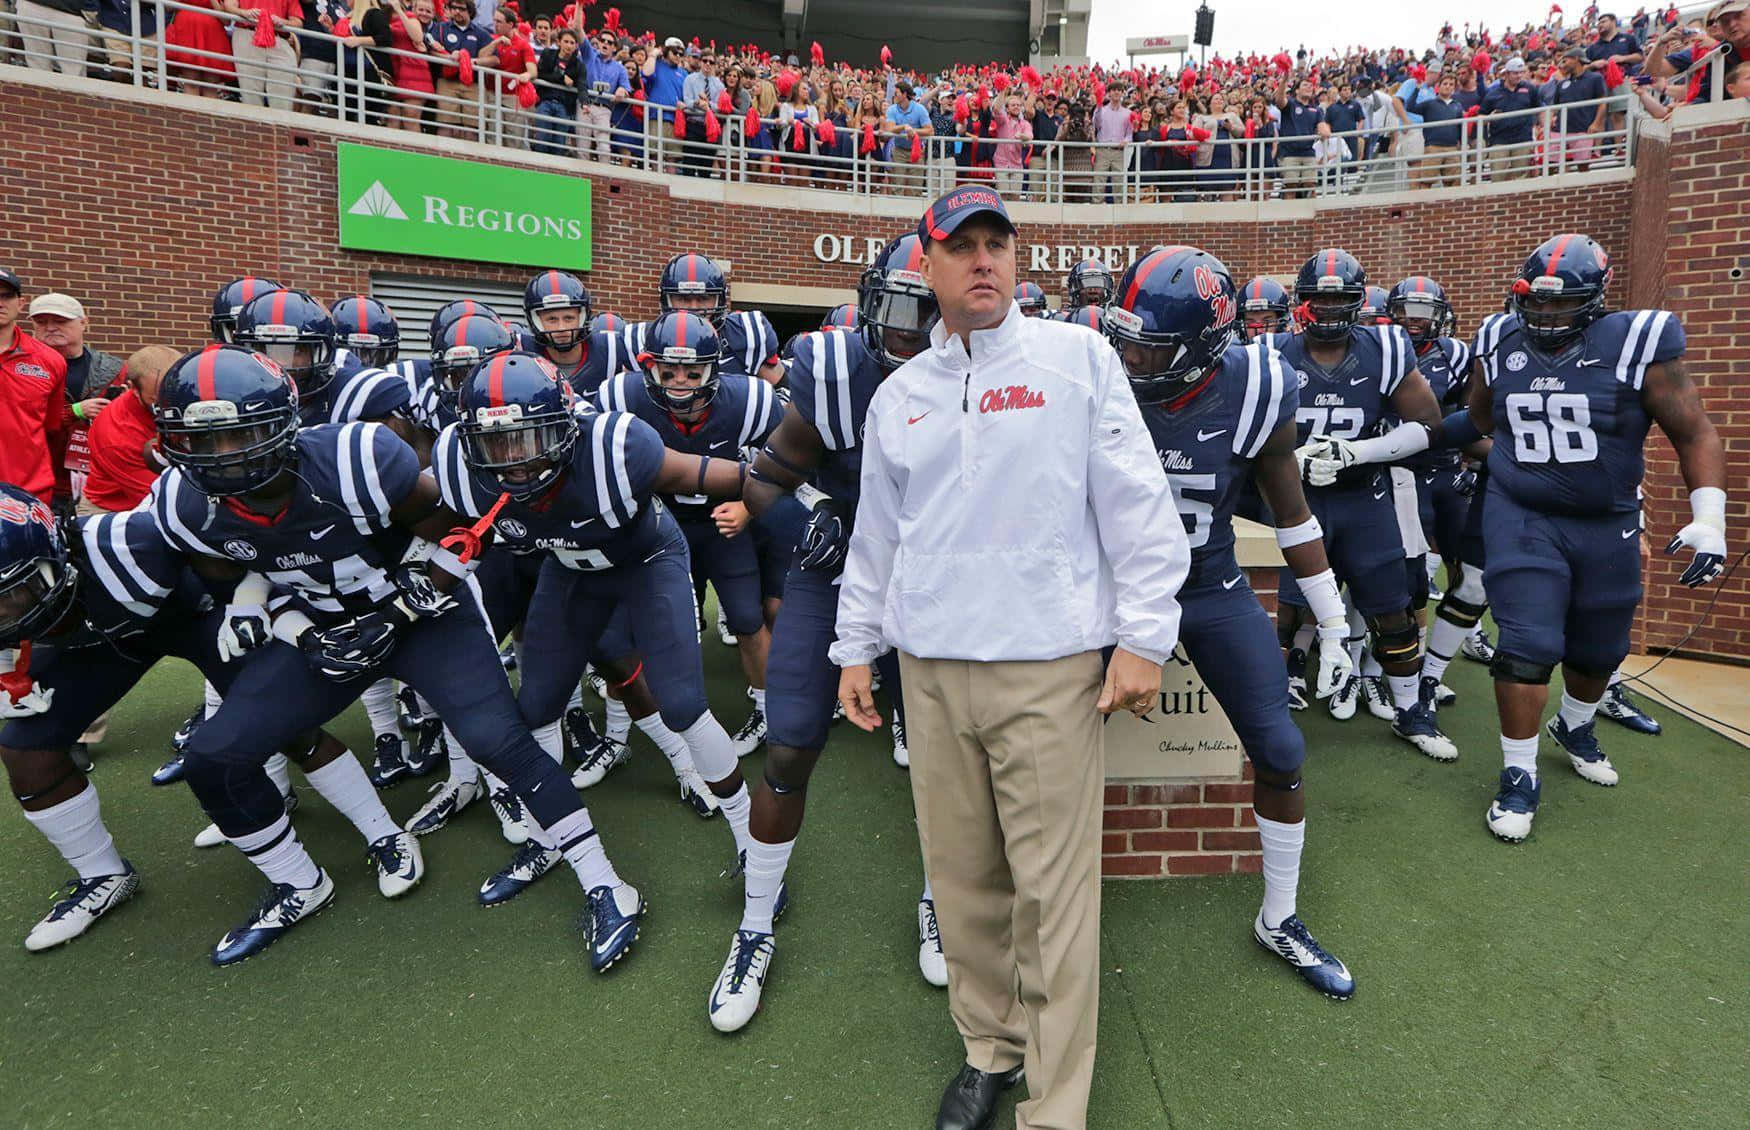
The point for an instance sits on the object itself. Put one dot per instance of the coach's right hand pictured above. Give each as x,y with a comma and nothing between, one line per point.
857,696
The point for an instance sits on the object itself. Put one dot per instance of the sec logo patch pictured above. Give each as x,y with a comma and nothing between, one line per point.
512,528
240,549
1300,375
1517,360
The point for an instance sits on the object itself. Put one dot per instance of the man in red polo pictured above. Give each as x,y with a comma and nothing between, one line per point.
33,400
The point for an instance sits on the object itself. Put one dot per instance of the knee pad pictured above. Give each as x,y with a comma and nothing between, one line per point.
1512,669
1602,672
1288,781
788,770
1397,643
68,774
1460,612
1470,585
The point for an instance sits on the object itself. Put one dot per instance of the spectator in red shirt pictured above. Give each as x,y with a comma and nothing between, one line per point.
510,52
33,401
124,439
265,74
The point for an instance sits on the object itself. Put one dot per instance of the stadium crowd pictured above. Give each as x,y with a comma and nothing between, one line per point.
584,83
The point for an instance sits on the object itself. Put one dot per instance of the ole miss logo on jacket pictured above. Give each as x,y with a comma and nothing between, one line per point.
1010,399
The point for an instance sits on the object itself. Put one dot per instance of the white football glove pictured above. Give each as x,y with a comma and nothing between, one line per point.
1335,666
36,702
1709,543
1320,460
246,627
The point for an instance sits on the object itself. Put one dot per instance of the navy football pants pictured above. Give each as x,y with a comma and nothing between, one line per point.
1229,637
802,684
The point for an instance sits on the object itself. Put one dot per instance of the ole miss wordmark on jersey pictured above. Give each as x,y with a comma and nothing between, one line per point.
749,342
333,546
832,379
595,517
1570,429
1207,446
742,414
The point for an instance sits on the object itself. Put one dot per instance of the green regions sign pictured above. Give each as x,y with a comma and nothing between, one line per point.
418,204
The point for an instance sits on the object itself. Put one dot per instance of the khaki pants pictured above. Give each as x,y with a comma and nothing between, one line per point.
594,138
1511,162
1439,163
516,120
455,106
1108,173
264,74
901,173
1007,773
53,39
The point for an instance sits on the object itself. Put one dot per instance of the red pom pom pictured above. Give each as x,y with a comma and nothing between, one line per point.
725,105
917,149
465,68
1000,81
868,143
526,96
264,36
713,128
886,56
785,83
612,20
1031,77
961,110
679,121
827,133
1613,76
752,125
817,54
343,28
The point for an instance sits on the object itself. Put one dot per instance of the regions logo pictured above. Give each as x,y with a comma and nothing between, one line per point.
376,201
1517,360
239,549
513,528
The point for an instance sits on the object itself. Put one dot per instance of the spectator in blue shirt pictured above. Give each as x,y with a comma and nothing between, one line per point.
1509,139
116,17
1730,20
664,76
604,83
906,119
1440,160
699,93
455,101
1614,43
1301,116
1574,128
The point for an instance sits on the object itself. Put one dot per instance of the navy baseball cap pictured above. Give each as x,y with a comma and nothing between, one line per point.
945,215
8,278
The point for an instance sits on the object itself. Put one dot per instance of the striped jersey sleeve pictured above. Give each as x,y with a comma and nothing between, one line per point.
130,558
1486,346
181,513
1398,358
376,471
456,483
820,388
625,458
761,413
1272,397
1654,337
369,394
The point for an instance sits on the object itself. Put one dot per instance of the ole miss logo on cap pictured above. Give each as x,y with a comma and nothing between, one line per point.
941,218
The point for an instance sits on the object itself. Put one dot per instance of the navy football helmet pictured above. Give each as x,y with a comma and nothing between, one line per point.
692,282
516,424
1331,290
1264,305
297,332
38,579
1560,290
553,291
227,419
523,336
1176,313
1374,307
841,317
368,329
1089,284
231,299
1419,305
1093,317
1030,297
462,345
460,308
681,346
895,309
607,322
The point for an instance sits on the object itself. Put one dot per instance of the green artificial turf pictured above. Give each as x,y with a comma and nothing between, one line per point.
1593,976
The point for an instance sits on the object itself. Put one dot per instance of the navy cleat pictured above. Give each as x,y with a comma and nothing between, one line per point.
430,748
185,732
1292,942
736,995
530,862
170,772
507,657
1581,746
281,908
389,762
1415,724
1509,817
1296,679
612,924
413,716
1622,709
81,903
1476,647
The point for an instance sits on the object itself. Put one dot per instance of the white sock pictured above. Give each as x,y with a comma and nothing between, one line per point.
928,895
737,810
279,771
759,698
462,767
284,862
1303,637
1433,568
424,706
1576,713
672,745
1403,690
1520,753
575,702
618,724
586,855
1370,667
210,696
1358,652
551,741
343,784
1282,847
381,708
766,864
713,752
75,828
1444,639
1616,676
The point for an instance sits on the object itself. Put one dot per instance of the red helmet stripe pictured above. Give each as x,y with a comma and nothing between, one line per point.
553,280
680,331
915,260
279,306
364,316
1555,258
692,268
1143,270
495,380
203,372
1331,261
462,328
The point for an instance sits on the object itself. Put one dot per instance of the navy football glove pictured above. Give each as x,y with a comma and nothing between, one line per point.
1464,481
417,597
350,648
825,539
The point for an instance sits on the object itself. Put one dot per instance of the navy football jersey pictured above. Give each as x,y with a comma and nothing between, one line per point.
128,575
1207,446
832,378
742,414
749,341
602,512
1570,430
604,356
333,548
357,392
1352,400
1446,365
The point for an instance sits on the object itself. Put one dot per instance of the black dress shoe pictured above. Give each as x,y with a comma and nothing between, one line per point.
970,1102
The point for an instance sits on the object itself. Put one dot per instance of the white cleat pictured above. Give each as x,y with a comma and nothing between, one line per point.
736,995
931,963
723,633
82,903
1343,702
400,866
697,795
448,799
209,837
901,752
1377,698
599,762
511,823
752,734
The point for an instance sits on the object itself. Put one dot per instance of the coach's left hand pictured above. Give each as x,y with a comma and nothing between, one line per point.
1132,683
857,696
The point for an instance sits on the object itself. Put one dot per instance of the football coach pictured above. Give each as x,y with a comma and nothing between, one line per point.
1014,524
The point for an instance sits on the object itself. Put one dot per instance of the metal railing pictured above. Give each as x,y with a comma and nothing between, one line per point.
641,134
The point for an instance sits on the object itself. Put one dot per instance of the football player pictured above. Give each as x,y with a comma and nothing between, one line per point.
1220,412
558,309
582,490
1089,283
328,513
1569,392
1351,377
696,410
1264,307
1030,297
369,331
833,376
840,317
694,283
231,299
